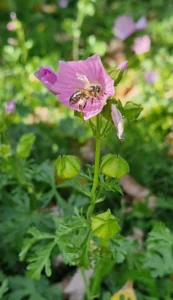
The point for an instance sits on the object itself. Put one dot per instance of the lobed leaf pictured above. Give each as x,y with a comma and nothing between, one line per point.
40,260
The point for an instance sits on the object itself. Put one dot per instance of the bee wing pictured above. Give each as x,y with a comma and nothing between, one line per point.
82,78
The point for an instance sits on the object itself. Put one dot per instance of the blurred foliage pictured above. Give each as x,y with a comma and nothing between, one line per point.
41,129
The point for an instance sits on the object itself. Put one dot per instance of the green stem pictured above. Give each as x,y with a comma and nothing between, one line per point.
96,168
88,294
76,40
96,280
106,126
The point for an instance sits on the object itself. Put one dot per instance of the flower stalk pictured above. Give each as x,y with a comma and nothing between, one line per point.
96,167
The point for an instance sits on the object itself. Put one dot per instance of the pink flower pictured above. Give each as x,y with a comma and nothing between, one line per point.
118,121
122,66
151,76
125,26
10,107
63,3
141,24
11,26
81,85
141,44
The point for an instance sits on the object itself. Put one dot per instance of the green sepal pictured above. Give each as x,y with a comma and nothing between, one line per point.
130,111
116,75
78,114
67,166
106,111
105,225
114,166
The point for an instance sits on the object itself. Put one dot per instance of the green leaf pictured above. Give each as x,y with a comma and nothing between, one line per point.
113,185
25,144
106,296
100,200
29,242
25,288
119,248
83,259
130,111
105,225
40,260
159,254
5,151
114,166
3,288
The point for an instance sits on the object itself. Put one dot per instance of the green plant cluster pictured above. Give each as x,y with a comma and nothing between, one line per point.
33,197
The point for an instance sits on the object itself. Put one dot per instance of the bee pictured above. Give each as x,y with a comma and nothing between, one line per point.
81,95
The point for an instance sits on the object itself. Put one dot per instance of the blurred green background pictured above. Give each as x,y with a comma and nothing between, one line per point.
41,32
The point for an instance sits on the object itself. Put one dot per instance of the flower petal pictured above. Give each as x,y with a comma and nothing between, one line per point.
10,107
124,27
48,77
118,121
141,44
141,23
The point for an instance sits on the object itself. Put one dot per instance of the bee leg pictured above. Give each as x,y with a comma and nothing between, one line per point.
92,100
84,105
80,107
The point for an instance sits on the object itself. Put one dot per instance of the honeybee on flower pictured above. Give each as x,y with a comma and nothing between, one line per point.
84,86
81,85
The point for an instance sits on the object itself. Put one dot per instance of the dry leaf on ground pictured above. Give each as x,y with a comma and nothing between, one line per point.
127,291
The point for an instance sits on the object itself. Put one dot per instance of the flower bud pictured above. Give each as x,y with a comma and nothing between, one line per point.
118,121
67,166
114,166
117,74
122,66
